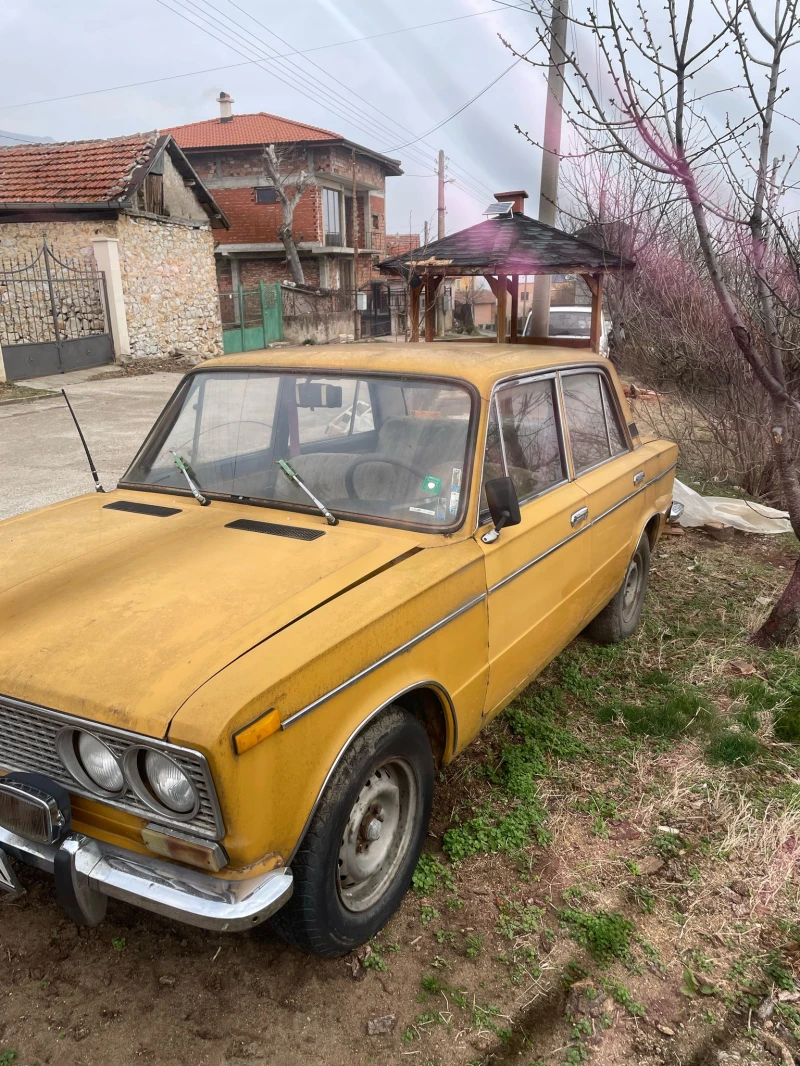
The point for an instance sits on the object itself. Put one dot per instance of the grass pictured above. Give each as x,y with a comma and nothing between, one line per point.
606,936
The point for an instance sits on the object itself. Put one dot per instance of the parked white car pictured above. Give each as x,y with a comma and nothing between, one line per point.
574,320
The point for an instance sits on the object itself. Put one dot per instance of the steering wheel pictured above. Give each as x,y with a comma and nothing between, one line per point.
374,457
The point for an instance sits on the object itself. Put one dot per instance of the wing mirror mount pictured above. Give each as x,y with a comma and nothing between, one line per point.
503,506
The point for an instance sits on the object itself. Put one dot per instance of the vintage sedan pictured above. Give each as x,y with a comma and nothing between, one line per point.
226,686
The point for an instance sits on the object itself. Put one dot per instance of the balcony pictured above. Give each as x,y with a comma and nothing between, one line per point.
333,240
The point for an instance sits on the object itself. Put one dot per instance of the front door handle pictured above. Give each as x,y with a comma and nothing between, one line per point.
579,516
638,478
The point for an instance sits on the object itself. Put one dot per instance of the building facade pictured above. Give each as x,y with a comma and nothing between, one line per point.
228,154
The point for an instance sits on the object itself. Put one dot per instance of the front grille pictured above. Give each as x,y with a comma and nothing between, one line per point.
28,742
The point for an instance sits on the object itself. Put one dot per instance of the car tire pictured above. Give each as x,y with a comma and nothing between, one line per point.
619,619
357,858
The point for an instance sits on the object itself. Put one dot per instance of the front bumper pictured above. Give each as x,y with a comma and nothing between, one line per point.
88,871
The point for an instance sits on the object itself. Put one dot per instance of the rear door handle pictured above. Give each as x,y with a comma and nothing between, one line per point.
579,516
638,478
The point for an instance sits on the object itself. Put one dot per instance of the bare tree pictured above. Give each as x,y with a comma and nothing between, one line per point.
289,189
653,110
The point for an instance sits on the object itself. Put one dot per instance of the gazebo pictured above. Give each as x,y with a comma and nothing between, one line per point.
502,249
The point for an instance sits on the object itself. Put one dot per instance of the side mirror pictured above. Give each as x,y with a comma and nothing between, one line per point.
501,495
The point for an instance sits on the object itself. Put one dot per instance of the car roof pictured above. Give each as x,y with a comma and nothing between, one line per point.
482,364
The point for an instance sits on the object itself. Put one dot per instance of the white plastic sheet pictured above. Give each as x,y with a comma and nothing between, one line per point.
741,514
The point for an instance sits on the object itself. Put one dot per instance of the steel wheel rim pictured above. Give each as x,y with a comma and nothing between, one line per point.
377,834
632,589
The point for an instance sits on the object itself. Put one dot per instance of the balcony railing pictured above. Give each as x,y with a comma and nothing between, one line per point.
333,240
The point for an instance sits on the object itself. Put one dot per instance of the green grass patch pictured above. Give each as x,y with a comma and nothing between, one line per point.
431,875
492,830
606,935
730,748
517,919
786,722
663,716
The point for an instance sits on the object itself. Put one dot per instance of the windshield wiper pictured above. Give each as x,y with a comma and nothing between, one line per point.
195,488
292,476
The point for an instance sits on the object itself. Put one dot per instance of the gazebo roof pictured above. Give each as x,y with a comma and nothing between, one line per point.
516,244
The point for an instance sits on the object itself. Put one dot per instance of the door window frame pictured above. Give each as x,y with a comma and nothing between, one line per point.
609,395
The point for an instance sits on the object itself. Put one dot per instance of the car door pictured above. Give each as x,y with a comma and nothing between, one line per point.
537,571
611,473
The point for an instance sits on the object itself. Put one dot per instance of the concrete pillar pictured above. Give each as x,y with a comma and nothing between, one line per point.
2,366
106,253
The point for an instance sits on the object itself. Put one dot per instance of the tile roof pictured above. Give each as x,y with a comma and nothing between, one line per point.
515,245
259,128
71,172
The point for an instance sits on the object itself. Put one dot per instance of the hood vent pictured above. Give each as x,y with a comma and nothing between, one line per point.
295,532
142,508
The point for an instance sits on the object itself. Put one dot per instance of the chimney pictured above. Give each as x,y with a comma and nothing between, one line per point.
225,112
519,196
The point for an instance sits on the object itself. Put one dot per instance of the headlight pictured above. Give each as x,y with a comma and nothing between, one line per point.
169,783
91,762
100,763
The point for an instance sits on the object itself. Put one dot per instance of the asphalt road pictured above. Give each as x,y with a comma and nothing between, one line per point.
41,458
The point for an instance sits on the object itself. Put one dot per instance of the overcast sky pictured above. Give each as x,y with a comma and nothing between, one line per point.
52,49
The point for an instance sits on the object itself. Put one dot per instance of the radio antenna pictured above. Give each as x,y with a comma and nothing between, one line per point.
97,486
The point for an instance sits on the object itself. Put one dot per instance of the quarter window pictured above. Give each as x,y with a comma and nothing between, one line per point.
594,434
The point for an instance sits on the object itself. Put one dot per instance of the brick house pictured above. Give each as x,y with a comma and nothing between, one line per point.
227,154
132,206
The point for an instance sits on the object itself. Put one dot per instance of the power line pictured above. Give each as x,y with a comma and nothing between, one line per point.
231,42
476,182
247,63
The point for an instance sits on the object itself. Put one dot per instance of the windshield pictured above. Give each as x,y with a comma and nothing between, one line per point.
381,447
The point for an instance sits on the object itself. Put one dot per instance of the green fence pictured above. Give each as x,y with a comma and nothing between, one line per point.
251,318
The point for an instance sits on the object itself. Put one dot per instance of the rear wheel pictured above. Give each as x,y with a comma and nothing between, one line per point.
619,619
358,856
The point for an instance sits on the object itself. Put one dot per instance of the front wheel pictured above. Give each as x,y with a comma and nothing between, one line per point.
358,856
620,617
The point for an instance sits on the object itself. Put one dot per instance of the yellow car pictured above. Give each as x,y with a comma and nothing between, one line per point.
226,686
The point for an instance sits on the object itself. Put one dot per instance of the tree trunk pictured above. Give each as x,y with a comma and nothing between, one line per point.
292,257
783,617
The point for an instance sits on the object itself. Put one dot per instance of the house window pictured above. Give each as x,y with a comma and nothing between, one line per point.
266,195
376,221
331,217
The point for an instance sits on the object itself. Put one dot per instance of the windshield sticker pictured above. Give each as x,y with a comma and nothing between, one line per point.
456,482
431,485
422,510
441,509
454,502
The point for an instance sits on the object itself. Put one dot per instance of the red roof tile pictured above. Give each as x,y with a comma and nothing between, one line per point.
72,172
259,128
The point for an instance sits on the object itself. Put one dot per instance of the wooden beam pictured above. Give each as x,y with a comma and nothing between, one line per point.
413,310
492,283
430,308
514,289
591,284
502,294
597,313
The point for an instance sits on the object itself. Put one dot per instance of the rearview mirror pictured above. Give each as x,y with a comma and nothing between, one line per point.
501,495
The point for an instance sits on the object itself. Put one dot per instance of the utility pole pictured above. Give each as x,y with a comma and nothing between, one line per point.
548,189
356,312
425,235
440,209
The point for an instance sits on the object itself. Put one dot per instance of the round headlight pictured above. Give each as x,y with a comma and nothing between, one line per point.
99,763
169,783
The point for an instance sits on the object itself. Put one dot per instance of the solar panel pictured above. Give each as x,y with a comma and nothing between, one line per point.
499,210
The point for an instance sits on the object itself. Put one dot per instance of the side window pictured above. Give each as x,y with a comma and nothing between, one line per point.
616,437
493,465
531,445
586,420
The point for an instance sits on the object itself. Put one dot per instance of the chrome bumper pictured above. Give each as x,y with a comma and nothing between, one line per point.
674,513
93,870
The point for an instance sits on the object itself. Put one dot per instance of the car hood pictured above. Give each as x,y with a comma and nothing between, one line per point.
118,617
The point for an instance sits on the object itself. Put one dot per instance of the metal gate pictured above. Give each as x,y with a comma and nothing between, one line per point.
53,315
252,318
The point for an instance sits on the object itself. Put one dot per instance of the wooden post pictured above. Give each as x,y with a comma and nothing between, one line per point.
413,310
596,328
514,287
356,312
430,307
502,294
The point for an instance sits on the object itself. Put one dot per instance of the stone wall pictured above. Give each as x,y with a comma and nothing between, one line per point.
170,287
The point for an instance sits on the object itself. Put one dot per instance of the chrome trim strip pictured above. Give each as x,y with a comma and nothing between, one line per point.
572,536
170,890
359,728
380,662
126,737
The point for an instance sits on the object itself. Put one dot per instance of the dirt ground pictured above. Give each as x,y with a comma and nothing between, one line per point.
611,877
